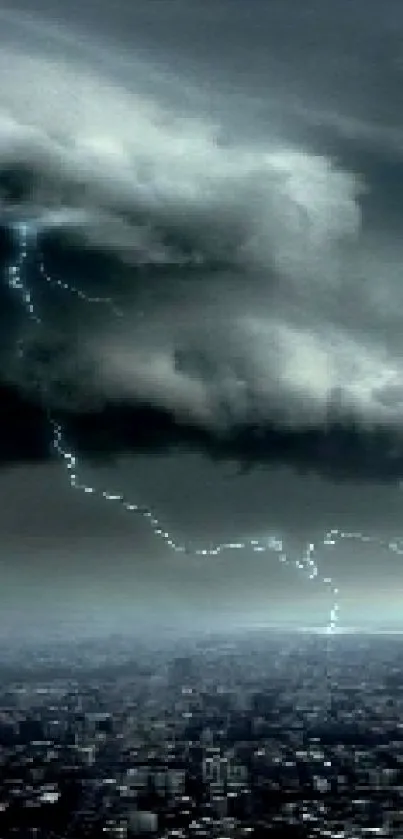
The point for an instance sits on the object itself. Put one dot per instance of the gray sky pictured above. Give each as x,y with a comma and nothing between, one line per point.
237,167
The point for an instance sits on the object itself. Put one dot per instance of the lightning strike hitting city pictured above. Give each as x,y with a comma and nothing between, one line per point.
201,444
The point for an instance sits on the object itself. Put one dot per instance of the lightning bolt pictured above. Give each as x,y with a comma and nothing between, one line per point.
56,282
26,237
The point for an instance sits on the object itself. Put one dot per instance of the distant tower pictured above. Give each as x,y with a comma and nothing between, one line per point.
182,673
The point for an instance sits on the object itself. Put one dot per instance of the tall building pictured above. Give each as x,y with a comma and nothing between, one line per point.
143,822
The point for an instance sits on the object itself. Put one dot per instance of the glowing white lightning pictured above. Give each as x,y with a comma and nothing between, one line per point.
26,236
73,290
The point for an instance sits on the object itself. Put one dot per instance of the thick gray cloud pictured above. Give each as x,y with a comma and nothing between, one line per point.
242,205
300,286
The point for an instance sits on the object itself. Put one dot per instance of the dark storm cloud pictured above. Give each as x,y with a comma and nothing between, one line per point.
260,272
340,451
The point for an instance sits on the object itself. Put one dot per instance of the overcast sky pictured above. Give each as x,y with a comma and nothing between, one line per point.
229,175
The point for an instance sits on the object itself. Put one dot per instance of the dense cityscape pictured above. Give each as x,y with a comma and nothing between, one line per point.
261,734
201,390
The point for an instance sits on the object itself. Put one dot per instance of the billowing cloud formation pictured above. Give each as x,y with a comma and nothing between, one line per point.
88,146
255,293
